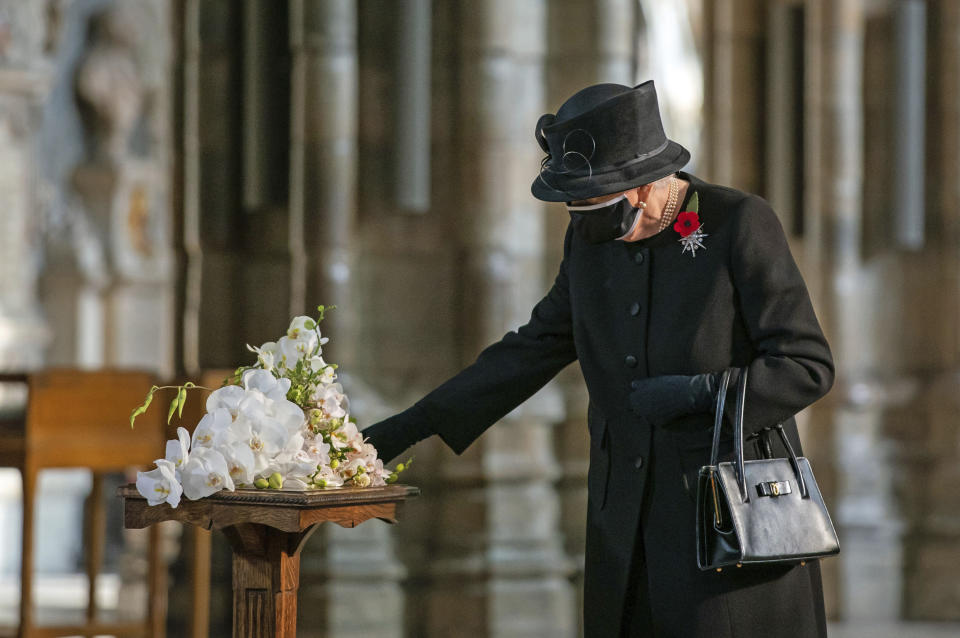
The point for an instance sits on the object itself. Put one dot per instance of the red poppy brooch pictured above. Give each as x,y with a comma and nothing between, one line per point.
688,225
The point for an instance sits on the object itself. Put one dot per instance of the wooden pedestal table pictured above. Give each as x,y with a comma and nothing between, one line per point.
267,529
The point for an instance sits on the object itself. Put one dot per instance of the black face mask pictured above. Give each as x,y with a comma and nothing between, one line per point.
598,223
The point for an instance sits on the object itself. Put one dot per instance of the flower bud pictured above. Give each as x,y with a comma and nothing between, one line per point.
361,480
334,464
321,482
261,483
401,467
276,480
392,478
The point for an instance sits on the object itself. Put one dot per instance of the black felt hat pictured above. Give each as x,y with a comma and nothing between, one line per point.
607,138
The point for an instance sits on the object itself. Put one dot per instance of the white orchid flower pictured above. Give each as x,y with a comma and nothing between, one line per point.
291,465
297,484
178,450
328,477
264,438
376,472
318,449
160,485
267,384
346,436
303,328
229,397
331,400
241,463
300,327
352,467
205,473
293,350
213,429
268,355
328,372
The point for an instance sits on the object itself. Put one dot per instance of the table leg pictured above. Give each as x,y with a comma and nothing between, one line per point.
266,577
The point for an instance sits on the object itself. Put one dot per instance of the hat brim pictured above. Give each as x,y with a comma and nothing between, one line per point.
553,187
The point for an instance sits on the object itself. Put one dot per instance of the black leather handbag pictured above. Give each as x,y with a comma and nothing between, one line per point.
762,511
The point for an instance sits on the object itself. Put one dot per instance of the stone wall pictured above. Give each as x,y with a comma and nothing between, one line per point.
248,160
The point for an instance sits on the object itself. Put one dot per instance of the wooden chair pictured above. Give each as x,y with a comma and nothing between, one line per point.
77,418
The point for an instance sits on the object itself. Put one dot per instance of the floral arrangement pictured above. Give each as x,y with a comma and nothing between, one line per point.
281,423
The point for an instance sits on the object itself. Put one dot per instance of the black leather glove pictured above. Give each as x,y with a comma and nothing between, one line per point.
662,399
394,435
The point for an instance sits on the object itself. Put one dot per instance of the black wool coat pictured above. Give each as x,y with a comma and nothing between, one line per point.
643,309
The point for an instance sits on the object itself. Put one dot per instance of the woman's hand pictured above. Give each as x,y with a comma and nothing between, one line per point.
662,399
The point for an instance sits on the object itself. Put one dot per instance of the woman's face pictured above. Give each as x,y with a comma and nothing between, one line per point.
634,196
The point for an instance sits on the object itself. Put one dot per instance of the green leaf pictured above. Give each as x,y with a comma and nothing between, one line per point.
181,400
694,203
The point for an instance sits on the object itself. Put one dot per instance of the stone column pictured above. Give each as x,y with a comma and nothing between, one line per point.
869,388
733,105
212,193
25,79
351,578
499,554
24,83
931,546
578,57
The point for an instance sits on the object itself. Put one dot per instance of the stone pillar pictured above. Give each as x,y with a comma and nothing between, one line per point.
323,181
24,83
910,23
412,145
733,105
212,193
498,554
25,79
870,384
347,575
578,57
931,545
783,148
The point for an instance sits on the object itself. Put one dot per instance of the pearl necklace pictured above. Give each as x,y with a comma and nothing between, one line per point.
672,201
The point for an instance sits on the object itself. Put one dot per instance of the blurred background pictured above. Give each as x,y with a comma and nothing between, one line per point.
180,177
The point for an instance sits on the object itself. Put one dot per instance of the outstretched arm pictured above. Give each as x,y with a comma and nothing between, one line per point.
504,375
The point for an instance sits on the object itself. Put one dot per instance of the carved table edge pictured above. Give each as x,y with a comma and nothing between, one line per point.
307,499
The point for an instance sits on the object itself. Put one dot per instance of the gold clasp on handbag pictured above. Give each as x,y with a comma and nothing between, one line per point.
774,488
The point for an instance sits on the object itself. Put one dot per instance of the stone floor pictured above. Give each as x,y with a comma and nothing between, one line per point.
62,598
900,630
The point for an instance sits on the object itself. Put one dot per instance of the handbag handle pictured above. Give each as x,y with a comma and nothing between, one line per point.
718,417
738,435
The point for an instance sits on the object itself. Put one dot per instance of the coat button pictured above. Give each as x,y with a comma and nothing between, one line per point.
638,257
638,462
635,384
635,309
630,361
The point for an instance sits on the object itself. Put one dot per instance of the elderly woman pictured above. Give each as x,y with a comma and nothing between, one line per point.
666,281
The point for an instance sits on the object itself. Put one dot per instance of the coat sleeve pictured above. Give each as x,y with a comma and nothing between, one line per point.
792,365
506,373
